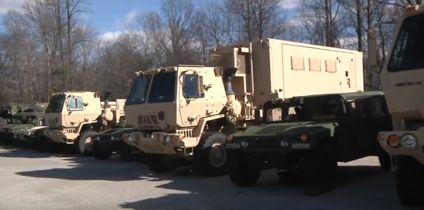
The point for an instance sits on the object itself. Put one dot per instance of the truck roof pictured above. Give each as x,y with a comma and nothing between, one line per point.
350,96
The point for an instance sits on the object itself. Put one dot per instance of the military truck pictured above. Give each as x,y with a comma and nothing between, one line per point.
22,126
186,111
402,79
73,117
305,137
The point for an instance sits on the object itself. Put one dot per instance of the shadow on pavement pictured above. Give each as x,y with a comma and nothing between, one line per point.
355,183
17,152
75,167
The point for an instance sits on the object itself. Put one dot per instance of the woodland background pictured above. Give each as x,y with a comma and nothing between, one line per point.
47,46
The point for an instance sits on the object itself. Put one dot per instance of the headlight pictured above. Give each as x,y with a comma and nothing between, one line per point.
303,137
244,144
112,138
393,141
408,141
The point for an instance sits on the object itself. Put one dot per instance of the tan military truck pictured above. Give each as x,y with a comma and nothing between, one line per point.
187,111
74,117
402,79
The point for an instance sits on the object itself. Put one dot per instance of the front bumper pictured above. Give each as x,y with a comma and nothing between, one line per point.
105,143
417,152
60,136
162,143
268,158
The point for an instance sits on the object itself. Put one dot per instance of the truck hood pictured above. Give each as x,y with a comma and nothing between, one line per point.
312,128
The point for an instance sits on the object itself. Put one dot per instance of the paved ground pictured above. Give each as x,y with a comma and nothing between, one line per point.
34,180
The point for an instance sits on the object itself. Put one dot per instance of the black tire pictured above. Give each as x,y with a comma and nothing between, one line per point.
385,161
125,152
100,153
160,163
319,170
409,181
83,144
240,171
212,160
289,178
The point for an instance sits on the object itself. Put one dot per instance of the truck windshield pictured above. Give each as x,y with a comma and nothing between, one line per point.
139,89
326,109
163,88
56,104
408,53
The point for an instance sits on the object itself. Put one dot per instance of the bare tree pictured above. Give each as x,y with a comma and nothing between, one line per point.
257,19
322,22
57,26
20,51
117,63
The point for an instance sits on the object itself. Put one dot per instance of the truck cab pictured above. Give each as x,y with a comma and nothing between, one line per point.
402,79
173,107
73,117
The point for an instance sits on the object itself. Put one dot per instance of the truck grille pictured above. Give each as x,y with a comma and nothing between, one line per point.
186,133
70,130
414,124
148,121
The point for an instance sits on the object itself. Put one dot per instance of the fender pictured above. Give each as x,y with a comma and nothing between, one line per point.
198,130
83,124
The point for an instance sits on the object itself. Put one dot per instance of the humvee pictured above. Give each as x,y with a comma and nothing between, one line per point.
22,127
305,137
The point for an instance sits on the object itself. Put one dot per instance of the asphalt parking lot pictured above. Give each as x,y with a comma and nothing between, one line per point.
35,180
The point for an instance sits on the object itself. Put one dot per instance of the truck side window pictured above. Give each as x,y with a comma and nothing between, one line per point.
191,86
75,103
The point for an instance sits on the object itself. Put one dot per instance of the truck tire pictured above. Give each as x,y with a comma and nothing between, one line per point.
409,181
125,152
160,163
240,171
84,142
319,170
210,158
100,153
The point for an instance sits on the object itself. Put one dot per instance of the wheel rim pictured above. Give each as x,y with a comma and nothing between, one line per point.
85,145
217,155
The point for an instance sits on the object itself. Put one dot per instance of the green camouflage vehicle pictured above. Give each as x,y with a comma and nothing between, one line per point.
110,141
23,126
305,138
